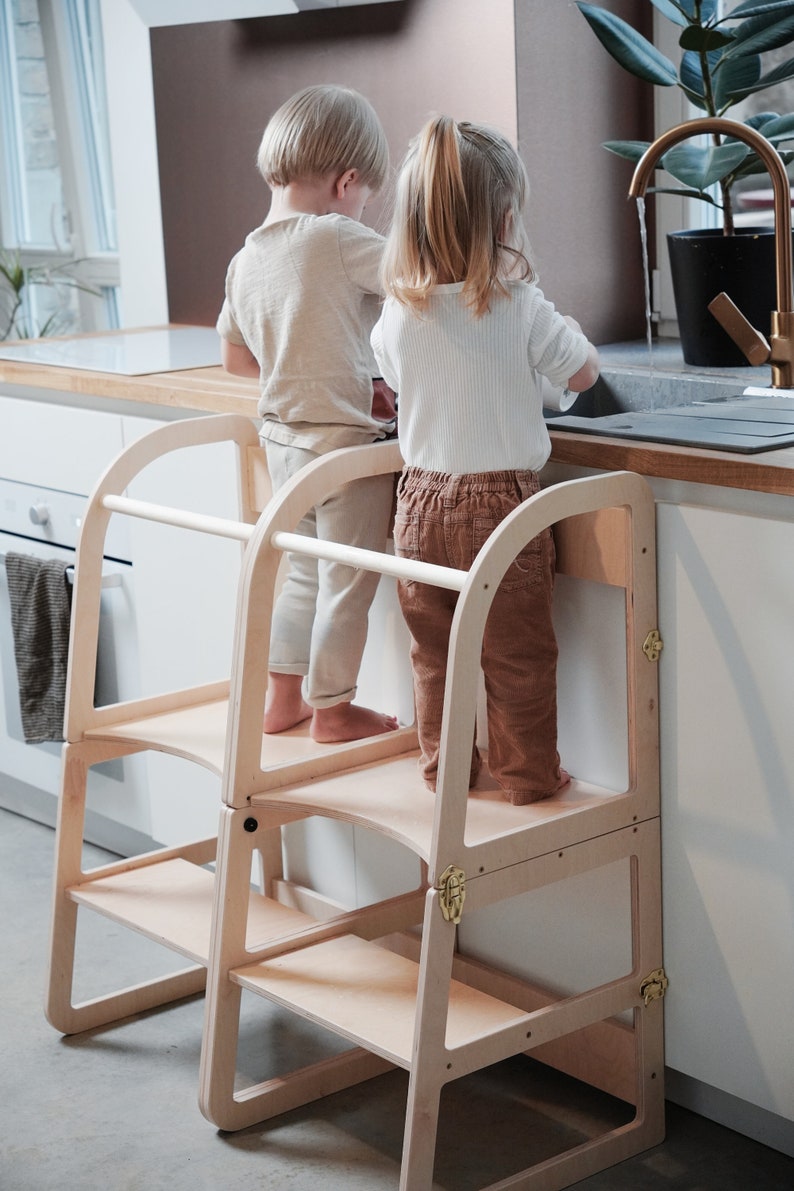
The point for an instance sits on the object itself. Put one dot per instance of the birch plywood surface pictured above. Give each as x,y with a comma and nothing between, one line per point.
171,903
368,995
389,796
197,732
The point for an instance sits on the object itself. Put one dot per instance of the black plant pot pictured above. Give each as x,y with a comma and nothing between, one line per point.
706,263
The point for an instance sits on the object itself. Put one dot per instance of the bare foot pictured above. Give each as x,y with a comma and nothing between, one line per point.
524,798
285,706
348,721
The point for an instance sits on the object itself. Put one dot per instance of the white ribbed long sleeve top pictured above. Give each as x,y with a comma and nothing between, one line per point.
469,388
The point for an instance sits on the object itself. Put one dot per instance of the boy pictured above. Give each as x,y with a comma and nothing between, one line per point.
301,299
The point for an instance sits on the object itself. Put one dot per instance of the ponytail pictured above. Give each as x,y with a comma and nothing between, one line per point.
460,192
446,209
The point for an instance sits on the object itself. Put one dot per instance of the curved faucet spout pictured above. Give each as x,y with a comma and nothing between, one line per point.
781,352
781,187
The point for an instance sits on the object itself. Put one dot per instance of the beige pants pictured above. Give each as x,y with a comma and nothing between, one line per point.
320,620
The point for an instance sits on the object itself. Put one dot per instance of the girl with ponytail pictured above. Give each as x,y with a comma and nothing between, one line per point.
466,338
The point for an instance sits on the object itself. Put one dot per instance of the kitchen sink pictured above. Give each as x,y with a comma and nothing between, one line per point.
745,424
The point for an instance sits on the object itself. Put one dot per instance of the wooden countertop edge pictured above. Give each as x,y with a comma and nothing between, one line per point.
768,471
205,390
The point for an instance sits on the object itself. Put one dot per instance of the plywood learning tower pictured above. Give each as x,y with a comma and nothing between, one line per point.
390,978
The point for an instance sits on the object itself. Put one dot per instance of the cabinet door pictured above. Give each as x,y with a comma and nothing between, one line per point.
56,446
726,582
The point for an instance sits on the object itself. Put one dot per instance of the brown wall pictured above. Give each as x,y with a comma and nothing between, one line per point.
571,98
216,85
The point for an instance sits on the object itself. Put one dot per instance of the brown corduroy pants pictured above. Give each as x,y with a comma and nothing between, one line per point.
446,519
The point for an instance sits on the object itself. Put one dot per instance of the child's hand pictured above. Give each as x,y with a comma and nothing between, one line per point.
384,407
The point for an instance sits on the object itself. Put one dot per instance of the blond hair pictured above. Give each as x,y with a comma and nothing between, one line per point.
322,129
457,215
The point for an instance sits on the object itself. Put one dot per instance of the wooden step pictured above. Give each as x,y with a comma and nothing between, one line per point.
390,797
171,903
368,995
197,732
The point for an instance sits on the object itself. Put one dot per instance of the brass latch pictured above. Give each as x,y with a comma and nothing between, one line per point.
653,986
451,890
653,645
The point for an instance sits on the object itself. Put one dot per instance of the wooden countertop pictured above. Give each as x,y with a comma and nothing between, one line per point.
205,390
213,390
767,471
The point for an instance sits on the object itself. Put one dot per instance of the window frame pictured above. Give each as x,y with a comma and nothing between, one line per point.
86,220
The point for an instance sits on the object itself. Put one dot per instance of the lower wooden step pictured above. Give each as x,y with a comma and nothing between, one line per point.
368,995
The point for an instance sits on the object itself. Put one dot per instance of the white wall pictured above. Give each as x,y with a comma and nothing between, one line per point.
133,147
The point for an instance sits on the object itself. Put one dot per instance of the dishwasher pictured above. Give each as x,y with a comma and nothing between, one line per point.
45,523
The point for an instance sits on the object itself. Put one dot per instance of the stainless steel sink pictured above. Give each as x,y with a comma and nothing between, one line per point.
742,424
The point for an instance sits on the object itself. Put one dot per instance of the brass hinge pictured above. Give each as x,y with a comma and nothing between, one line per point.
654,986
451,890
653,645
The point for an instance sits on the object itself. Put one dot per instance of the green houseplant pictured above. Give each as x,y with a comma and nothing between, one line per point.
15,277
721,64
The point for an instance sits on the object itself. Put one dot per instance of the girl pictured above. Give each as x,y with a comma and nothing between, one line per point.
465,338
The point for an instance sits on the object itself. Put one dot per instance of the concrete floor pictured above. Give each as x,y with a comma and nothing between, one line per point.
115,1109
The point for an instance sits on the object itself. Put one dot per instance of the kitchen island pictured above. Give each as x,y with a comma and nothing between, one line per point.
725,526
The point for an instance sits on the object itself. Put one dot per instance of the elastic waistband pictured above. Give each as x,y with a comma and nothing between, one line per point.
416,479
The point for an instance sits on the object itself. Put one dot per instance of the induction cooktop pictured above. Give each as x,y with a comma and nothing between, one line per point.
128,353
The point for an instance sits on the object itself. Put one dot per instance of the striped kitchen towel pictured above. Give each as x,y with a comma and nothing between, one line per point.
40,613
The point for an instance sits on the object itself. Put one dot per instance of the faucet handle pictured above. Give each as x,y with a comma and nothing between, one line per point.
743,334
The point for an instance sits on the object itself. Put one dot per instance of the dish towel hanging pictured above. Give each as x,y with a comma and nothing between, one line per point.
40,613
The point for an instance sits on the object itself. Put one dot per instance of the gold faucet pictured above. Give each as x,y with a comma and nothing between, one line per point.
780,350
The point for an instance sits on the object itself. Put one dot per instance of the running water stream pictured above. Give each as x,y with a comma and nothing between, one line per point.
646,273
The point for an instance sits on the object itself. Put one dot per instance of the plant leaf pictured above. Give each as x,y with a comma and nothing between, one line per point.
630,150
758,35
691,78
733,76
708,10
752,8
700,166
754,165
683,192
758,121
699,39
629,48
779,75
672,11
777,128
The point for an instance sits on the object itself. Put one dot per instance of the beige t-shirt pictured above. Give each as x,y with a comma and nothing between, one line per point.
303,295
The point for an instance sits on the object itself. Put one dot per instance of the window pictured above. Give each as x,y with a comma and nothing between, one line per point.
57,211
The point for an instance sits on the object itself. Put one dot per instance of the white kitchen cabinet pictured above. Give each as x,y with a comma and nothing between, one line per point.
726,592
725,565
56,446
